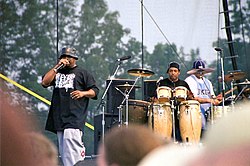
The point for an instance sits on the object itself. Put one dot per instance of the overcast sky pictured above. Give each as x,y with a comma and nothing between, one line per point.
187,23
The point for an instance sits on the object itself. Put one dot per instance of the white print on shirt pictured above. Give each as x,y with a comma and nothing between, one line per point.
203,92
65,81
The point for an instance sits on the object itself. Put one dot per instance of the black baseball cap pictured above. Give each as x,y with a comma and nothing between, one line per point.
68,51
173,64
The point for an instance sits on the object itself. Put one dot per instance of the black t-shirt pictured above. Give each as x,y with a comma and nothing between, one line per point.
167,82
64,111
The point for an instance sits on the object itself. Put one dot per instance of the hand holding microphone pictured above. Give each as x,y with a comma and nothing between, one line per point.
61,64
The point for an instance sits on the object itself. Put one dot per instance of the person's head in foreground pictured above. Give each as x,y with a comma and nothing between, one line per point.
126,146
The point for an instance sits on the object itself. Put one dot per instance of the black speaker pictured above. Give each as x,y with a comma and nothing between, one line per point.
149,89
111,120
114,97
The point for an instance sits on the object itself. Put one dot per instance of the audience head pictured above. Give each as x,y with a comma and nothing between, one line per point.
126,146
171,154
44,151
18,145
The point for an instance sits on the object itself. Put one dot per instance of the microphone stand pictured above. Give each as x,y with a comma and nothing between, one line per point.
219,50
211,114
103,102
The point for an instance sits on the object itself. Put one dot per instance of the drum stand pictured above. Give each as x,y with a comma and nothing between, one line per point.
173,117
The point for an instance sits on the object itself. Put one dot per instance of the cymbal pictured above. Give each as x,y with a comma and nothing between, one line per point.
201,71
127,86
234,76
140,72
244,83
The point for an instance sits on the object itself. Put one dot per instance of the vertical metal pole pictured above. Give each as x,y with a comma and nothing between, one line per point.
219,51
57,26
142,43
173,117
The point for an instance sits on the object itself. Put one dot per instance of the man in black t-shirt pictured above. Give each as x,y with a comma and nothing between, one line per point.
73,87
172,82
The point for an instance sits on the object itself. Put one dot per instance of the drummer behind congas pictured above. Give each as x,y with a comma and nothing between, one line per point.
202,88
172,82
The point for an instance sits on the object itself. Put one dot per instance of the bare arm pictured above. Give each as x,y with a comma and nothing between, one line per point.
207,100
50,75
79,94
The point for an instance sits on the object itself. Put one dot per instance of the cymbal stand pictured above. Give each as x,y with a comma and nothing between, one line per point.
126,99
125,94
232,94
120,115
103,102
243,89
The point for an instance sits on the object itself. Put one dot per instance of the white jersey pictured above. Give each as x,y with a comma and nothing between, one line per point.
201,87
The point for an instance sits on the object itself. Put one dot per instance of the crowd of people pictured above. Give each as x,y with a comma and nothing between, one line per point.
225,143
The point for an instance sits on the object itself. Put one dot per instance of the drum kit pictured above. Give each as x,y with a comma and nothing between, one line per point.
159,115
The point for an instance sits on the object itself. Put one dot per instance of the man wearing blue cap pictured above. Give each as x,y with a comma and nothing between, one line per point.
73,87
202,88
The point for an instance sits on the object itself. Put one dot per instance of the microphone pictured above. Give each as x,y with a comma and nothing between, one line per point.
123,58
59,67
200,71
218,49
161,78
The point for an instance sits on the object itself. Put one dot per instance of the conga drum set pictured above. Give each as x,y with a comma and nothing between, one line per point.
188,113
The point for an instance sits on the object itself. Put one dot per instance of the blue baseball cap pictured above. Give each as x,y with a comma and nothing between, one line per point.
198,64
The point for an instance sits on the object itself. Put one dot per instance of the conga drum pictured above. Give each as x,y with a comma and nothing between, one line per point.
164,94
160,120
190,121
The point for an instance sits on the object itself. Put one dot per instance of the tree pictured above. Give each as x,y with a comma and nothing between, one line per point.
163,54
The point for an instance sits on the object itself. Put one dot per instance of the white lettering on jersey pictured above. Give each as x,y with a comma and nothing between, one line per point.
65,81
203,92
